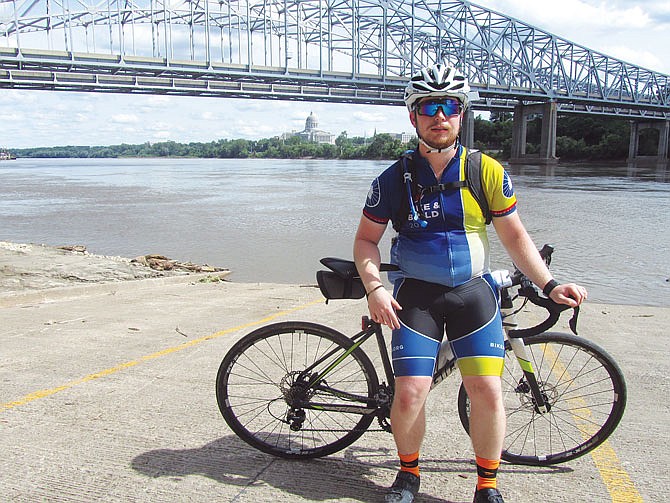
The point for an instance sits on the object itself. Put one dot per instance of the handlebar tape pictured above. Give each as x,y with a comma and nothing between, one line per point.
552,307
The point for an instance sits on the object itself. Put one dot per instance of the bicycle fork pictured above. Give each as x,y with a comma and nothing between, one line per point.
529,382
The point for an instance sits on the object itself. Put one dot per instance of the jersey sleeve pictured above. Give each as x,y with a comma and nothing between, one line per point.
379,204
498,187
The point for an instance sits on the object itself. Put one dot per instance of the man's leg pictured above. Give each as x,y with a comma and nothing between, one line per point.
487,429
487,415
414,349
408,421
477,338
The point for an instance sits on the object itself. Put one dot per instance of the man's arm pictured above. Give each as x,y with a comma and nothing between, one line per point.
381,303
526,257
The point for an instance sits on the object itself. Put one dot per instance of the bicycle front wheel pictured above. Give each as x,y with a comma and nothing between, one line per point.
264,397
585,394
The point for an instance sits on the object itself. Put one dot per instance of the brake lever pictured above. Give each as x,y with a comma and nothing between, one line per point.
573,320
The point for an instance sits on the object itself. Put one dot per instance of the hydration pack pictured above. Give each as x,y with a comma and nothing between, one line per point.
473,181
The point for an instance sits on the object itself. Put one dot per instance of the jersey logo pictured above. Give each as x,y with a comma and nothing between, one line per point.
374,194
508,189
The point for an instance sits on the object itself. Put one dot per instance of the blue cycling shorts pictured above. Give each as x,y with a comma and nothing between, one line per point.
468,314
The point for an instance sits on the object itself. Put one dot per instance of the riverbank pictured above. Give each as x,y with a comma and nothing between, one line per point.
29,267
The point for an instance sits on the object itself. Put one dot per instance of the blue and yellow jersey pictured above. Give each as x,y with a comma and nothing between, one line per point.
453,247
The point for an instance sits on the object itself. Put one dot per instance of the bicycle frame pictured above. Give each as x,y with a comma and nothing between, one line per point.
519,348
317,381
446,365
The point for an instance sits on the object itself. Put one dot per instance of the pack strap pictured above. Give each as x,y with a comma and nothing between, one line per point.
473,175
409,181
473,181
445,186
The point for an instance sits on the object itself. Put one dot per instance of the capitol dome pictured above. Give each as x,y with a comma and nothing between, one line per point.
312,132
311,122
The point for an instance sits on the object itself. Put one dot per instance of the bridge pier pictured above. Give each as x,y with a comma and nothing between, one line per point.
663,140
547,154
467,135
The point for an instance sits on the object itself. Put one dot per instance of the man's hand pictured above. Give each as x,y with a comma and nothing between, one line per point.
569,294
383,308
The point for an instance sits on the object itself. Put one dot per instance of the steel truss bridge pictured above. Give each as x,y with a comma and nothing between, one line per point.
353,51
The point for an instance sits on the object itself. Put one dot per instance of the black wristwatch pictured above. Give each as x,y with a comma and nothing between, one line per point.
551,284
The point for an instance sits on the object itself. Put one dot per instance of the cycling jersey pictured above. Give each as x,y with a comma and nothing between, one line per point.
453,247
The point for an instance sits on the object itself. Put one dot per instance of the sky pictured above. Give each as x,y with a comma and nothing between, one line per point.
636,31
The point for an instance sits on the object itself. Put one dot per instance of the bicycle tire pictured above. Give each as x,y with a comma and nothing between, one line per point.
586,392
257,376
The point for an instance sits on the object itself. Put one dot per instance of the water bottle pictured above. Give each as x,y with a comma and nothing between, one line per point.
502,278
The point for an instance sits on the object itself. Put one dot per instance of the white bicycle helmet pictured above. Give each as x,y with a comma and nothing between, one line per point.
437,80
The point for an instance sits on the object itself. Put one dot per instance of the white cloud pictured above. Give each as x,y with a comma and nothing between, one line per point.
8,117
643,58
627,30
125,118
161,135
370,117
159,99
158,125
572,15
81,118
256,131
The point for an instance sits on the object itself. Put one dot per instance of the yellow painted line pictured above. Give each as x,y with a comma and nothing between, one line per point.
616,479
36,395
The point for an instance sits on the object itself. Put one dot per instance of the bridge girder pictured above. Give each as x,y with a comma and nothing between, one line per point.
368,47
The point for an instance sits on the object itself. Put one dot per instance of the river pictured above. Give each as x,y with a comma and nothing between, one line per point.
271,220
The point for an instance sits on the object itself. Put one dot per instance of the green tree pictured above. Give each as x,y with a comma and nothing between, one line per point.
579,137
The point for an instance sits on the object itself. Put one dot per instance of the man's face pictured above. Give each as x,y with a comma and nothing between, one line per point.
441,129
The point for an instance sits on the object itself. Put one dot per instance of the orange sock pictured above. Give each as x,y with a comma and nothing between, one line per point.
487,469
409,463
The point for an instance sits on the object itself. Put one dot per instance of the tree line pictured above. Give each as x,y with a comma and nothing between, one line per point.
579,137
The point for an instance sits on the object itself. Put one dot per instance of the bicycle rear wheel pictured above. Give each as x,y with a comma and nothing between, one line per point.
586,395
258,390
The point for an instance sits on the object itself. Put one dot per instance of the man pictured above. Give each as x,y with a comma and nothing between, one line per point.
444,280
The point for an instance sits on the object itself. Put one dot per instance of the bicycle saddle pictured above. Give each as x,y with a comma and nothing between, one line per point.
347,268
343,282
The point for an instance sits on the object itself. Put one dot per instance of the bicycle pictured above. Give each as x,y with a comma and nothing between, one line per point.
304,390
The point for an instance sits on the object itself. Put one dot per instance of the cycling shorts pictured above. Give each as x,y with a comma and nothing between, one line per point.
468,313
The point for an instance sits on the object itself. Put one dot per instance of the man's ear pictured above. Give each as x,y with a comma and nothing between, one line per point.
412,117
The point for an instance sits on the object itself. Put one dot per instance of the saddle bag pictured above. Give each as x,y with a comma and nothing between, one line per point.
343,281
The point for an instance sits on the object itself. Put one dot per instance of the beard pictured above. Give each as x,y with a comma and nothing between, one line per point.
440,140
441,144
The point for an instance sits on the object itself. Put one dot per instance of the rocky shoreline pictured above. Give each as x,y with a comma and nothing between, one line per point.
26,267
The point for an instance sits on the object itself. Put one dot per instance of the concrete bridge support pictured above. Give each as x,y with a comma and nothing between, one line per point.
663,140
547,154
467,135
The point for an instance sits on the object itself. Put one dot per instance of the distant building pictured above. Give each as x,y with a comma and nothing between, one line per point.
312,132
403,137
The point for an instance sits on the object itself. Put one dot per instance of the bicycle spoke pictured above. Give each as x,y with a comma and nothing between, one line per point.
269,380
580,396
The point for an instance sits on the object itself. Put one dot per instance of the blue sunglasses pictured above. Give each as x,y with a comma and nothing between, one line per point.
448,106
